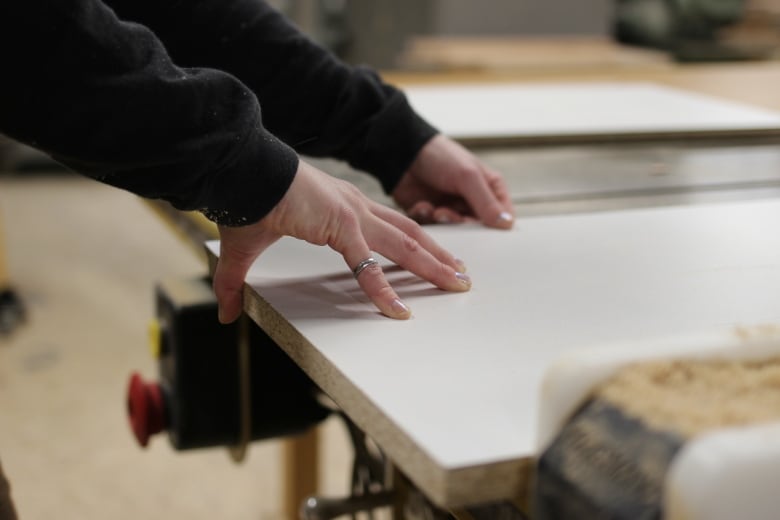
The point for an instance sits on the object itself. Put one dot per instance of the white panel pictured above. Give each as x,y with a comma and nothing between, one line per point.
462,378
547,110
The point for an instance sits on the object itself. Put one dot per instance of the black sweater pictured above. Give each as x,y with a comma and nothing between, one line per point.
163,97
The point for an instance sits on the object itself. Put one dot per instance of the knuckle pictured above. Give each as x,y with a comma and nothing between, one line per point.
371,277
373,270
444,272
463,171
347,218
344,226
386,293
410,244
353,191
411,227
317,235
466,176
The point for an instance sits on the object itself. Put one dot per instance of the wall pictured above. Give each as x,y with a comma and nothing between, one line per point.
533,17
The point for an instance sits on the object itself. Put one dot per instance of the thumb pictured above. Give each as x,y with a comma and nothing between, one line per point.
236,256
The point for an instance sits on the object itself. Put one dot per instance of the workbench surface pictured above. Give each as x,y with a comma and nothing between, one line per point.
451,395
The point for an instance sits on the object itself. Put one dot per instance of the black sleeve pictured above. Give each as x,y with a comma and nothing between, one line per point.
310,100
103,97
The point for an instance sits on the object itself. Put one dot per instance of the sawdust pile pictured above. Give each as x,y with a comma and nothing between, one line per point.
691,397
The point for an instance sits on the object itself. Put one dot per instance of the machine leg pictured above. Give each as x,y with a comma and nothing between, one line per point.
371,487
11,308
301,469
7,511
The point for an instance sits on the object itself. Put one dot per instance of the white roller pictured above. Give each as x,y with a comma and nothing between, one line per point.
721,475
569,380
727,474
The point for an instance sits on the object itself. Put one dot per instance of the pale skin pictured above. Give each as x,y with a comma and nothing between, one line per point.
445,183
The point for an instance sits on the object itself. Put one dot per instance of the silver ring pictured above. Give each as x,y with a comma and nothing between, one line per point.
362,265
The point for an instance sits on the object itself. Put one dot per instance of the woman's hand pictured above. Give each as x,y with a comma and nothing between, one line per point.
446,183
326,211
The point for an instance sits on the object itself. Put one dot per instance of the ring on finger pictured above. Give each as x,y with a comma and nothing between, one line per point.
368,262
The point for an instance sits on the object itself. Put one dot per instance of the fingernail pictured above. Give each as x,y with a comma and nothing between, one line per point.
464,278
461,265
505,217
220,315
443,219
400,307
424,213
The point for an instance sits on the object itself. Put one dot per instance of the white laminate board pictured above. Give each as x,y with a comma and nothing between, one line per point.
549,110
461,379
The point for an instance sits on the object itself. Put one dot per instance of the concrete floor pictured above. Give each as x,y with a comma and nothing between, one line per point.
84,258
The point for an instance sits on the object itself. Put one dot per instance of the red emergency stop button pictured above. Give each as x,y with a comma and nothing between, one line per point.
146,408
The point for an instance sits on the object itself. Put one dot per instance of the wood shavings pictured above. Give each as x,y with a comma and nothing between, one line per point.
691,397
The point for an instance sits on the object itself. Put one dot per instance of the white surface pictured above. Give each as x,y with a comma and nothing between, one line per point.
570,379
462,377
728,474
482,111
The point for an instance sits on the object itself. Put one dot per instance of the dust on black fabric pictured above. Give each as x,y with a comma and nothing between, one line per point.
204,103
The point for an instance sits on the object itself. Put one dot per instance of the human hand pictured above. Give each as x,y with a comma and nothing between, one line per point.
323,210
447,183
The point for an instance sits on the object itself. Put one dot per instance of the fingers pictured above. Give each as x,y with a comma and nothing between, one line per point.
445,175
410,254
416,233
424,212
501,190
232,267
373,282
448,215
421,212
228,285
478,192
489,197
403,241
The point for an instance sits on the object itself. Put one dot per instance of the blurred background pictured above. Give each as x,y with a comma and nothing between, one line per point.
383,34
414,34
